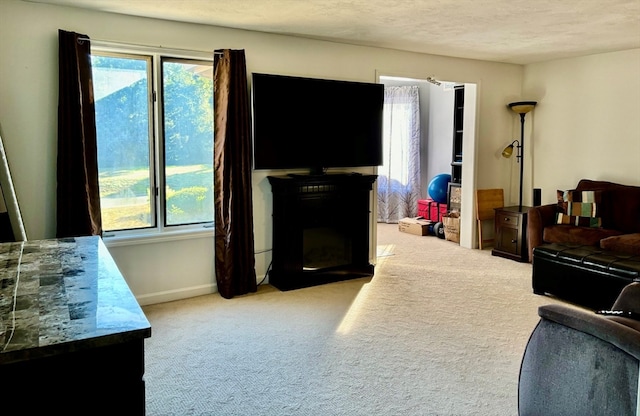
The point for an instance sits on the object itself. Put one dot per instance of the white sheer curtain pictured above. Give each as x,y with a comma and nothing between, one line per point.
399,176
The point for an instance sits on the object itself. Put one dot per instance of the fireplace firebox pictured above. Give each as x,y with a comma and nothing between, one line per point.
320,229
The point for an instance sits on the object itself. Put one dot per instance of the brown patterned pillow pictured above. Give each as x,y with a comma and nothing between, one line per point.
580,208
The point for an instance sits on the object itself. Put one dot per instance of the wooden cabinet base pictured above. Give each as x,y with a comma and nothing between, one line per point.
511,233
320,229
104,380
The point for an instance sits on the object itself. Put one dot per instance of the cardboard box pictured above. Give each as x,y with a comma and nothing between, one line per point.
417,226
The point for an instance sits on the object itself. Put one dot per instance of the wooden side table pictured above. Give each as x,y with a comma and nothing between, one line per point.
511,233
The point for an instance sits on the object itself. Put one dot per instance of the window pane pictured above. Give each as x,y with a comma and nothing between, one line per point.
121,89
188,141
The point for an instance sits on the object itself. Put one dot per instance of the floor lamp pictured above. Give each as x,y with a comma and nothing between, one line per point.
522,108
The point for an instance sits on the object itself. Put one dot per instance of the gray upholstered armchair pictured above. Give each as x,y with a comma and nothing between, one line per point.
581,363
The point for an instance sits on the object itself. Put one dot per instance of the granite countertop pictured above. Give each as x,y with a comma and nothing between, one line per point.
63,295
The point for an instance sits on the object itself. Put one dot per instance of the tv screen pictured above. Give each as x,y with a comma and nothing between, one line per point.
309,123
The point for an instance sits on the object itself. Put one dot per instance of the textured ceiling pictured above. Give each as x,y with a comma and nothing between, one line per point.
512,31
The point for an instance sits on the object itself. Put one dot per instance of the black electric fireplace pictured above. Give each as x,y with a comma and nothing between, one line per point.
320,229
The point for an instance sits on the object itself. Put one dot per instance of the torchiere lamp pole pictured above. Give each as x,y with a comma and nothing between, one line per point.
522,108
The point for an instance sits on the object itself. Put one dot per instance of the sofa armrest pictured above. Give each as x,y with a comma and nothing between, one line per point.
538,218
612,331
579,363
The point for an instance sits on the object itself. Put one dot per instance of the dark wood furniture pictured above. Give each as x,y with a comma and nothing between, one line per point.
320,229
72,333
454,191
511,233
458,129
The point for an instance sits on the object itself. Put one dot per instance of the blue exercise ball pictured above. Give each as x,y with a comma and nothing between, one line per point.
438,187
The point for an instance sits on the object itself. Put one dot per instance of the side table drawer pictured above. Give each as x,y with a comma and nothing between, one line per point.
507,219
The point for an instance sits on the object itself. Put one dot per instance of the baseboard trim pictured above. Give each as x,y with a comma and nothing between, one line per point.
184,292
177,294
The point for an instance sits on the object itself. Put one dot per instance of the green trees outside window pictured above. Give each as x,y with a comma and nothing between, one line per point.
155,141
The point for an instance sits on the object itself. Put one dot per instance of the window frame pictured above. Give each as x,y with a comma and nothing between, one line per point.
160,231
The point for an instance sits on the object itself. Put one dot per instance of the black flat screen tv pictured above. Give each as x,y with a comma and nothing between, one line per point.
315,124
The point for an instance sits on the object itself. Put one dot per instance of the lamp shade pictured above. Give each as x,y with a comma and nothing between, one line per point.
522,107
508,151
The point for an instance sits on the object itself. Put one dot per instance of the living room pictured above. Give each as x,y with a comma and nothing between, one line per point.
567,141
585,125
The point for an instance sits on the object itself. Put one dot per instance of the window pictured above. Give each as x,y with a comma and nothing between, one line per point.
154,120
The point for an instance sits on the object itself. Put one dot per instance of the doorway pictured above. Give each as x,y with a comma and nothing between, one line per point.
436,140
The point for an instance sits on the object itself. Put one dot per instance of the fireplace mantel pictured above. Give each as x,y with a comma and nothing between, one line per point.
320,229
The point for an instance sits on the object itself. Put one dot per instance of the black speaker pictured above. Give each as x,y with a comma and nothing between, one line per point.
537,197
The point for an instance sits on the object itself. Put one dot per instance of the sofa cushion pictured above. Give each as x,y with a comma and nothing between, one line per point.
580,208
571,234
625,243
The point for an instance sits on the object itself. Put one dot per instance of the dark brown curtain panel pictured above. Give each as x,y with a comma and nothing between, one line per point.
234,248
78,196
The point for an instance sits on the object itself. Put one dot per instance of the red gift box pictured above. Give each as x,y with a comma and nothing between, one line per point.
431,210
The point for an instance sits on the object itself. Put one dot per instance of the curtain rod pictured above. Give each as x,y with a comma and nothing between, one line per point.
114,43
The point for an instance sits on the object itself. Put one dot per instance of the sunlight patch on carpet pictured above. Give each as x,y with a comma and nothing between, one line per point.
351,317
385,250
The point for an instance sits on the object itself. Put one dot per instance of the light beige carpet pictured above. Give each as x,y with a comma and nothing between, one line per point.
439,330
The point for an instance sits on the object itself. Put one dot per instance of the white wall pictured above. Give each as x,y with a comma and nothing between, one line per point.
587,121
169,270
